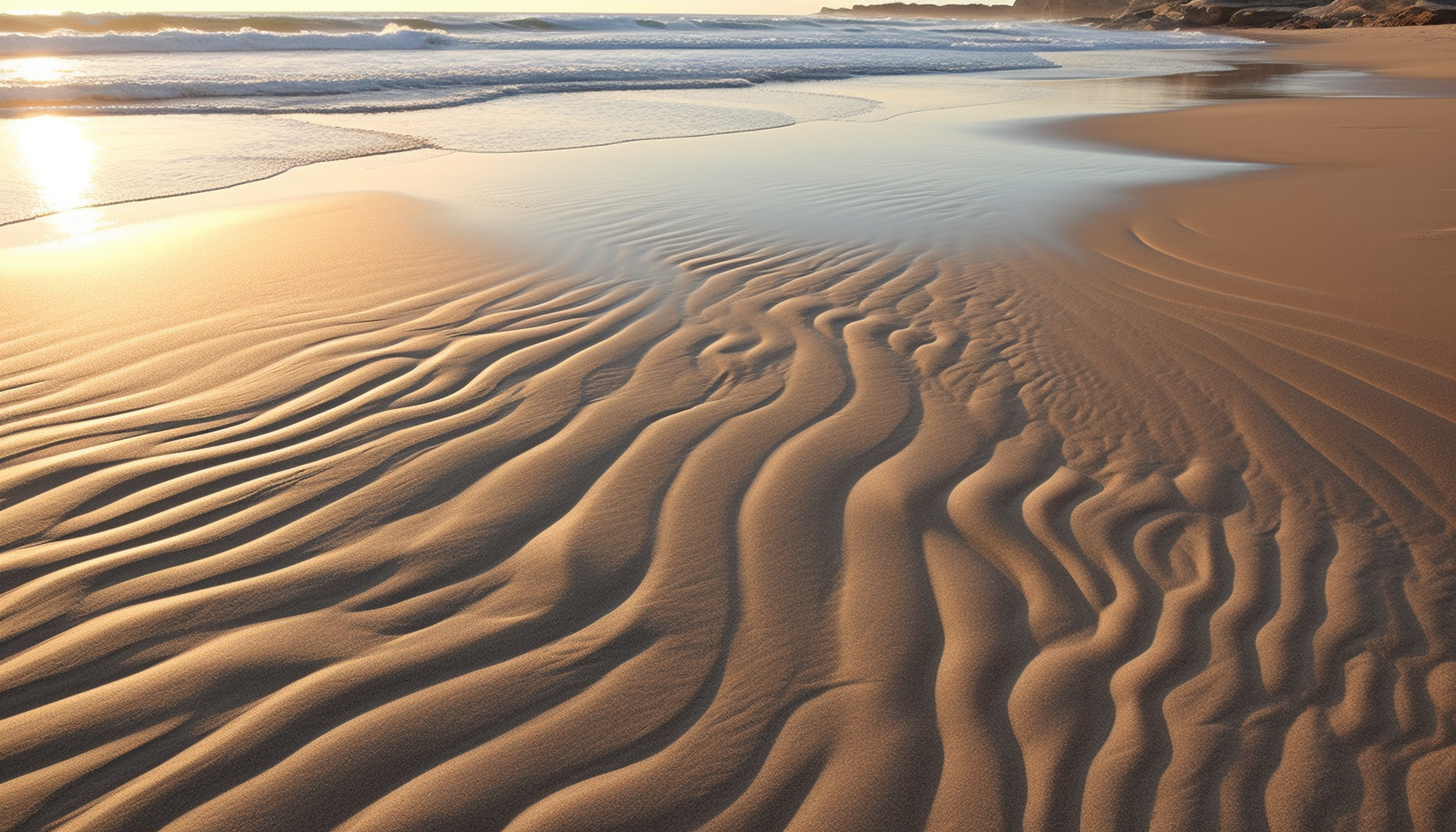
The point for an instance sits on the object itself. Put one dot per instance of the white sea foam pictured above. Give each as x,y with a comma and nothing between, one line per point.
314,83
183,41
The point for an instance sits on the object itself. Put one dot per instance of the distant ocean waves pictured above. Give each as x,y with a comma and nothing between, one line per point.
102,64
392,37
316,82
411,35
74,34
562,30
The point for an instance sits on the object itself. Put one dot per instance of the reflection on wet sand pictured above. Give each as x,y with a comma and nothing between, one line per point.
60,160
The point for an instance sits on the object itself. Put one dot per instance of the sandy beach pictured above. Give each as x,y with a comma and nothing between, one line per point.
700,485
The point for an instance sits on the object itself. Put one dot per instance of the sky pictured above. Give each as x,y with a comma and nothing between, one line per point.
417,6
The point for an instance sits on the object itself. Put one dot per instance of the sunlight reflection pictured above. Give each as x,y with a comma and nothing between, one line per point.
60,161
78,223
37,70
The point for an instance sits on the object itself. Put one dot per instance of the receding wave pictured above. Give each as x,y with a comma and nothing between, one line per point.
322,88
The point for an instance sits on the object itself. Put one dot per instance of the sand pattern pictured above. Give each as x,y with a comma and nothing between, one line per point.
777,535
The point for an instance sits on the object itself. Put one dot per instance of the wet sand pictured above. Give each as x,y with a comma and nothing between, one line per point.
328,515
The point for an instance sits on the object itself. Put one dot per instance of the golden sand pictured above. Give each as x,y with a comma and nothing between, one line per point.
322,517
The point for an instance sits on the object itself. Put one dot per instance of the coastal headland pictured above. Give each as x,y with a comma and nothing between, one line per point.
1163,14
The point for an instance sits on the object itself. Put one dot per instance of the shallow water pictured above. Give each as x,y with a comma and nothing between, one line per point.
844,170
155,108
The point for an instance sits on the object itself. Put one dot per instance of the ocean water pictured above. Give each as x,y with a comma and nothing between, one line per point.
103,108
151,64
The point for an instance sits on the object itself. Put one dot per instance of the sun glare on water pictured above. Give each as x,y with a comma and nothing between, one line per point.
37,70
60,161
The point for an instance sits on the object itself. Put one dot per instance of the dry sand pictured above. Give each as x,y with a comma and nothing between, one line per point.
1154,531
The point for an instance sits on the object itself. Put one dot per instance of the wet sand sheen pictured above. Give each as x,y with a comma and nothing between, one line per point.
1153,532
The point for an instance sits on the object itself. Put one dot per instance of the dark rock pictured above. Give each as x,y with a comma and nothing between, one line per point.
1264,15
961,11
1425,13
1375,13
1065,9
1021,9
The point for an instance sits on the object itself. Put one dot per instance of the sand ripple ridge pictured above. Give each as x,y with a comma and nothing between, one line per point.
780,536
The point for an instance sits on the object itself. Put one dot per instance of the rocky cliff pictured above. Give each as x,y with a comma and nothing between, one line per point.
1020,10
1282,14
1185,14
959,11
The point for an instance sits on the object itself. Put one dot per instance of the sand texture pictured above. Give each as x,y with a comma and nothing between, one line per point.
1155,531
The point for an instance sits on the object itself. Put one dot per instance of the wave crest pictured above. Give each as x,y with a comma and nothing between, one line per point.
392,37
40,24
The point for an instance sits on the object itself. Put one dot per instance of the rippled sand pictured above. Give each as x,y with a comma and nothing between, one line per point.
325,516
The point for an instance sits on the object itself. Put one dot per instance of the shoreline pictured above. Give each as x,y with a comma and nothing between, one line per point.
1340,255
1403,52
1359,189
122,171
